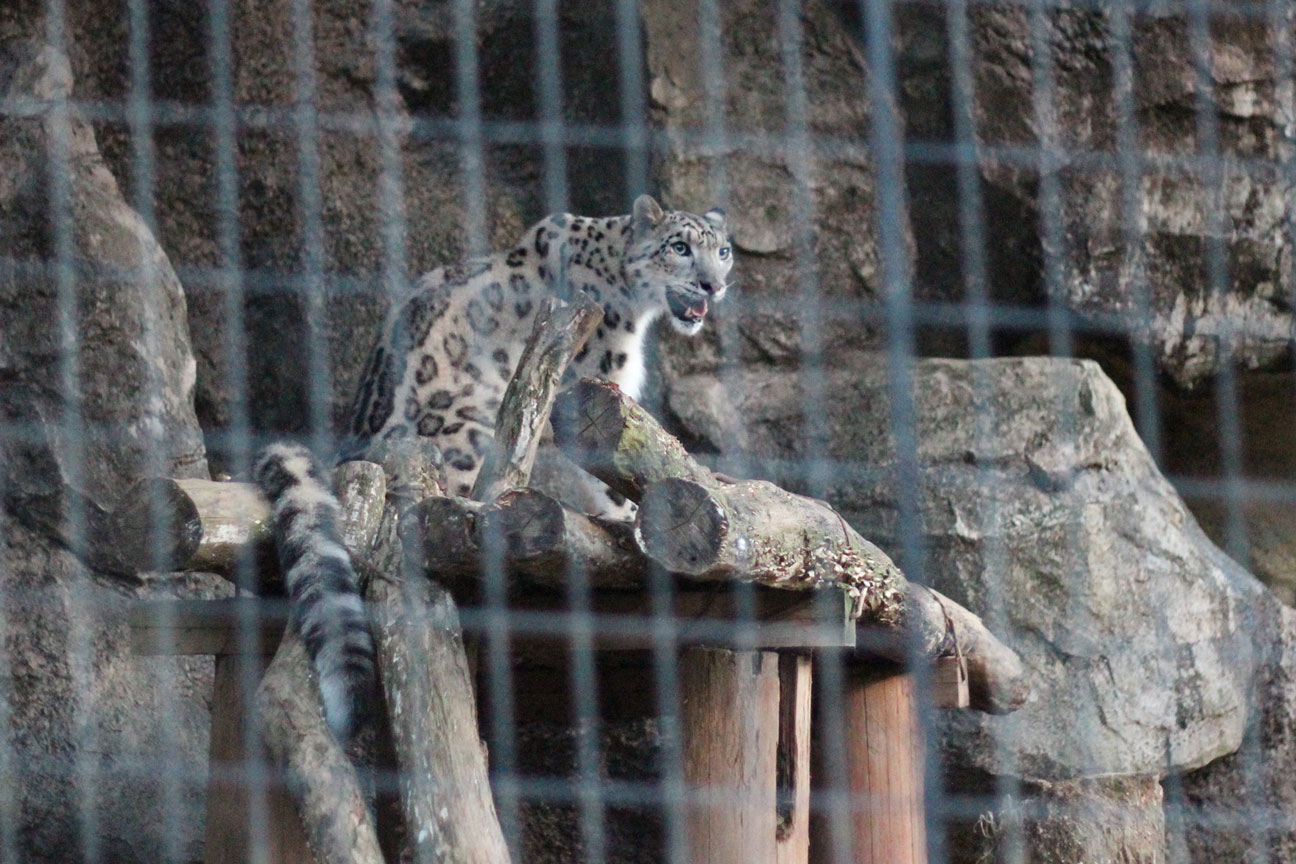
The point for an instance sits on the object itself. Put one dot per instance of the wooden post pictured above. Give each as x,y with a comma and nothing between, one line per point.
731,721
793,832
883,740
230,796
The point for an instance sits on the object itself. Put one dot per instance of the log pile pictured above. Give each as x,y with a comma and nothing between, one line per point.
401,529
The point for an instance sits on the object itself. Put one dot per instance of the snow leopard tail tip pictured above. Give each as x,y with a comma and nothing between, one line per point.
324,594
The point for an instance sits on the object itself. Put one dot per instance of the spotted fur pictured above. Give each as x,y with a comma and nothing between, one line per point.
326,606
446,353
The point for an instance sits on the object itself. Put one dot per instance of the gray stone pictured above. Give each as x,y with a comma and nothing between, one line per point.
803,217
1238,806
104,754
111,297
1108,819
1148,268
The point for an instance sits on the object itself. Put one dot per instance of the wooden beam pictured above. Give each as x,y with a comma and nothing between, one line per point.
321,778
730,718
792,834
702,614
233,790
883,739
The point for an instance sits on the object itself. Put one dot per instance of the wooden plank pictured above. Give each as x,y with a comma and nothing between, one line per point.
730,721
702,615
242,625
884,753
793,831
234,832
949,683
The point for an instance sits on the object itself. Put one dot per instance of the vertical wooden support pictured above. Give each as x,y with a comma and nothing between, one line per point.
883,740
731,720
793,832
227,838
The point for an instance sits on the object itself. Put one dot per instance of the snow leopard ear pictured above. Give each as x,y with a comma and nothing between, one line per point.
647,213
716,218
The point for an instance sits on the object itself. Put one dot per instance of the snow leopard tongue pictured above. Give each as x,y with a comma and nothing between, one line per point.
687,308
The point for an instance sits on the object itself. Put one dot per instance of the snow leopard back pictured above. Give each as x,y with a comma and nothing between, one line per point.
327,610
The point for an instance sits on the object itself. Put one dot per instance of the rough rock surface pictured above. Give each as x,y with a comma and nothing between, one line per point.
1237,806
117,302
1108,819
1200,267
104,754
803,216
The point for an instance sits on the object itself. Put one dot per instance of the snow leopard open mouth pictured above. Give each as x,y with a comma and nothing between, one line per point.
687,308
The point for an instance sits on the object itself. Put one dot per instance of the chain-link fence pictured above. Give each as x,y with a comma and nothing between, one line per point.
1012,299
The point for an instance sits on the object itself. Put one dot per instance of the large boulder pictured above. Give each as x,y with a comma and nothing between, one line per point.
1039,508
104,753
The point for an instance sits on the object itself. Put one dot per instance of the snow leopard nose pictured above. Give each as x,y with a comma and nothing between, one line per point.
707,286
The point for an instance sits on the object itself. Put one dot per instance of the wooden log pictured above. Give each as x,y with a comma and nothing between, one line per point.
319,775
204,525
792,835
540,540
883,739
751,528
997,681
559,331
544,540
730,718
757,532
445,785
609,435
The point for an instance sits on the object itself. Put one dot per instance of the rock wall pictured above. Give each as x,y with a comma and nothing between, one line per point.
104,754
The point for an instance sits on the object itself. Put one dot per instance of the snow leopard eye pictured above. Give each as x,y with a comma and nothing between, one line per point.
724,253
680,247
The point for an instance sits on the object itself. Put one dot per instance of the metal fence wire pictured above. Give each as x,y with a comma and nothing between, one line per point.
1013,294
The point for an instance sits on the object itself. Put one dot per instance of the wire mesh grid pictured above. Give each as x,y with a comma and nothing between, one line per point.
1011,184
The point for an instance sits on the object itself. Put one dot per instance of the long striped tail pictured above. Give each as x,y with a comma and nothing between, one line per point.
324,593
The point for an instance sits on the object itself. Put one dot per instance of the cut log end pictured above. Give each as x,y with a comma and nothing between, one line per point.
530,523
681,527
155,526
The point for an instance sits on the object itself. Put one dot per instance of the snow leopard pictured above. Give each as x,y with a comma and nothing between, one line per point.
439,368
